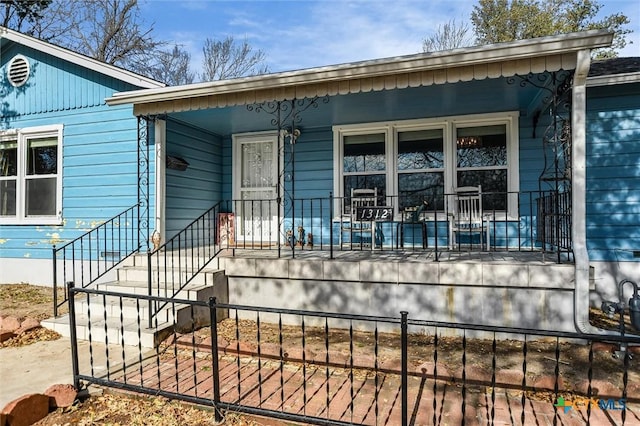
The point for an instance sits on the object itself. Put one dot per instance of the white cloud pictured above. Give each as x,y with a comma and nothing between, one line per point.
303,34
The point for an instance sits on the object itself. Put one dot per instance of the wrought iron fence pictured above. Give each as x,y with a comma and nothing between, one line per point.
338,369
174,264
512,221
94,253
554,225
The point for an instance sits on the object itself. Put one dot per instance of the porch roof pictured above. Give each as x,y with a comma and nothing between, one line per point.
424,69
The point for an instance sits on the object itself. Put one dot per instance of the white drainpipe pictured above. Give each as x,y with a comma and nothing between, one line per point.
578,193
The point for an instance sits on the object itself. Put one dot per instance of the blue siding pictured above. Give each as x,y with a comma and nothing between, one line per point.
55,85
193,191
613,173
99,148
97,183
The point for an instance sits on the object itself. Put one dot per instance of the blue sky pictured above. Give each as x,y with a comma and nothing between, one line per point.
296,34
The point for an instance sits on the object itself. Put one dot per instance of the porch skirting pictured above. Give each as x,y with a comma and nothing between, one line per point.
536,295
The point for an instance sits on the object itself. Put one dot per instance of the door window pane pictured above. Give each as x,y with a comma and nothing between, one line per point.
257,165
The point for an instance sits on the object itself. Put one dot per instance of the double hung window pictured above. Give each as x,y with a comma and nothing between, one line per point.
415,160
364,163
30,176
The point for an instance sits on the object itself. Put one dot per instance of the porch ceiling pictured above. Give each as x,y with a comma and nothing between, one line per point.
490,95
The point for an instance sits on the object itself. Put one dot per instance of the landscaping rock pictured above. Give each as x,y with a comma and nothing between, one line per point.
6,335
604,347
26,410
28,324
10,323
61,396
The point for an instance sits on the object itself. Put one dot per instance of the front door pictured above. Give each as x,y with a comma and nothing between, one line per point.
255,187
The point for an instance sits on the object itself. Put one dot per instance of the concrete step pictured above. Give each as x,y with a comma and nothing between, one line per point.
131,308
127,317
170,275
190,292
130,330
174,259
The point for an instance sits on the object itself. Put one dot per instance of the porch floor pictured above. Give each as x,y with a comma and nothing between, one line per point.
511,257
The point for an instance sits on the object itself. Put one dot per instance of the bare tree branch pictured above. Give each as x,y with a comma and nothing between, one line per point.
229,59
448,36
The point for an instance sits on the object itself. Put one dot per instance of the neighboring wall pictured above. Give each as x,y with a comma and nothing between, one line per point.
613,185
191,192
99,150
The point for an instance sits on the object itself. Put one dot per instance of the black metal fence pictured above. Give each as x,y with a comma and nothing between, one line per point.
90,256
554,226
515,221
174,264
337,369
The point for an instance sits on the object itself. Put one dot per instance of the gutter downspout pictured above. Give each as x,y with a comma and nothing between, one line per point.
578,195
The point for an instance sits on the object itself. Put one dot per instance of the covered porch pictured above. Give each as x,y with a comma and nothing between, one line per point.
280,156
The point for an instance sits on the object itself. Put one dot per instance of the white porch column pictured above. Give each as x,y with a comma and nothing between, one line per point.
578,192
160,155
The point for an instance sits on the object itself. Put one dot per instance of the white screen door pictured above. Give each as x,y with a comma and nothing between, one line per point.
255,186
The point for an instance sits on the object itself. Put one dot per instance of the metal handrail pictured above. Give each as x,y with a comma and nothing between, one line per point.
190,251
95,252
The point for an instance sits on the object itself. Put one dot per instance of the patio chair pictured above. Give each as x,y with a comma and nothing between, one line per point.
355,225
467,217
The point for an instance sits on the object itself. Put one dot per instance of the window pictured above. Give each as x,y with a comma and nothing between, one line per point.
414,160
481,159
364,163
30,176
420,163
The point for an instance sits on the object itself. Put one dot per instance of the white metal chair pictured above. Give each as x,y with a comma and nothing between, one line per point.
467,217
356,226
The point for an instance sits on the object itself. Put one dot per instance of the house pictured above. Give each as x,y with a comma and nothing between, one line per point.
335,188
554,151
68,160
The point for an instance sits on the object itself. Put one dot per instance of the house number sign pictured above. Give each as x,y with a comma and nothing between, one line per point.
374,213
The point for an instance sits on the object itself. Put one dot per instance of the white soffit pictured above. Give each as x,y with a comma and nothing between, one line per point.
425,69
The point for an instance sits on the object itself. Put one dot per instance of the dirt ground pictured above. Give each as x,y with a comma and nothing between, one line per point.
22,300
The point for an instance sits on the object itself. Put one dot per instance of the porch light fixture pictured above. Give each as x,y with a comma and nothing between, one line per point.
293,136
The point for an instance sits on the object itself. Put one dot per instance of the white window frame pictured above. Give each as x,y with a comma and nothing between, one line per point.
448,125
22,136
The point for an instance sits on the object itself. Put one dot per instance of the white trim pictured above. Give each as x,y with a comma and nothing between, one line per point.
237,140
11,64
495,60
22,136
449,125
81,60
614,79
160,135
579,194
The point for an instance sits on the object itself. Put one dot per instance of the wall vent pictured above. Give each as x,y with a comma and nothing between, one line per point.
18,71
